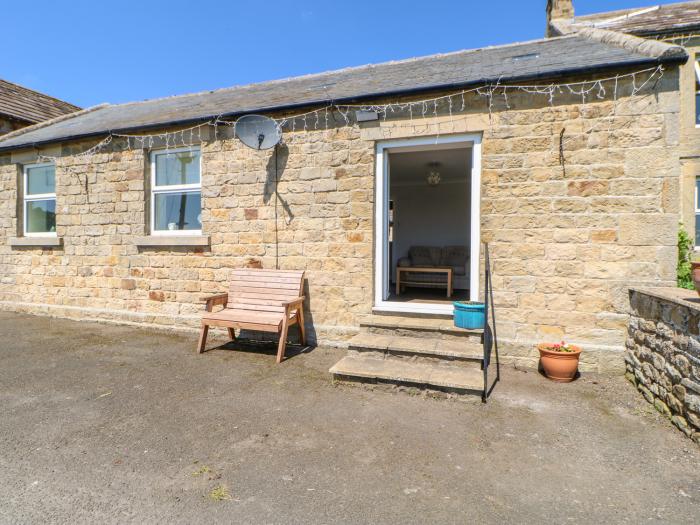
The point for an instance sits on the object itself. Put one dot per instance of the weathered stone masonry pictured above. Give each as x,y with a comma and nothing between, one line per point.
566,241
663,354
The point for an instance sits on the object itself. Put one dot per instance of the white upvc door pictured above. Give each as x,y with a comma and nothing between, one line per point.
382,272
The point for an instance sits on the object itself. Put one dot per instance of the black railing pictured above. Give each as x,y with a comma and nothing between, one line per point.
489,337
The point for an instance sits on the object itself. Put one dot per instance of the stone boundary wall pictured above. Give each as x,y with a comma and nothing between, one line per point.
663,353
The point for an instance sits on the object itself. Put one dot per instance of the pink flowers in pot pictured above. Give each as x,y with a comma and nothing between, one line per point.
561,347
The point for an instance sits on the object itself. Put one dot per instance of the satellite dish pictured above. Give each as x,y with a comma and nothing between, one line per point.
258,132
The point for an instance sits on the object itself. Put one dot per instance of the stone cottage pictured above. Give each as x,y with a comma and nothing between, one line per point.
566,155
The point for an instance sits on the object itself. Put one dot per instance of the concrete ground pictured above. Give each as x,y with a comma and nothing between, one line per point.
110,424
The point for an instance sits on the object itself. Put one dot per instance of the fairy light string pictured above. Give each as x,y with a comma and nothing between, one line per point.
425,109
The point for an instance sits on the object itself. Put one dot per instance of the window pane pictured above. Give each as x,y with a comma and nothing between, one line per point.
697,108
177,168
177,211
697,192
697,229
41,179
41,216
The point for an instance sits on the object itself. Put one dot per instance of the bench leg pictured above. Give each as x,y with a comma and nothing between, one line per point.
203,338
232,334
302,328
283,341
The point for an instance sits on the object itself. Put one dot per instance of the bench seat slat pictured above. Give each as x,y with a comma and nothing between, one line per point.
266,301
265,284
237,305
282,295
264,279
266,273
230,314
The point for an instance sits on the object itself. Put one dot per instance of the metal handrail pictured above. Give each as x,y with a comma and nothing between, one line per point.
489,337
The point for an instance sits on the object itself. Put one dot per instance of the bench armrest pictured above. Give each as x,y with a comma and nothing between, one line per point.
213,300
298,300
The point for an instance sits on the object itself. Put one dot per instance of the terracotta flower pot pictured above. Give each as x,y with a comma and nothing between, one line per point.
559,366
695,272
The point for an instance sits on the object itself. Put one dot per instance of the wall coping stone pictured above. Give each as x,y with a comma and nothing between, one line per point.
680,296
172,240
49,240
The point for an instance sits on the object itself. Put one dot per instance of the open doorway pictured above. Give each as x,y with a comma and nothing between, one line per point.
428,223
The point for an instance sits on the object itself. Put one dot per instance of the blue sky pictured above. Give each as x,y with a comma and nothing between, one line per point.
88,52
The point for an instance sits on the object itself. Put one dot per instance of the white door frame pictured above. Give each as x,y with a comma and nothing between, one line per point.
381,248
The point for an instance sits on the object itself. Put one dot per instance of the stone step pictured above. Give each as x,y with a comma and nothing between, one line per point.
422,375
417,347
417,327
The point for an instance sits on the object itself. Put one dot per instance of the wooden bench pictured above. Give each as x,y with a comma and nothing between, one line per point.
260,300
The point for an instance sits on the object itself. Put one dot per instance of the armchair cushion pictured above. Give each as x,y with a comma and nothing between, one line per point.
424,256
455,257
404,262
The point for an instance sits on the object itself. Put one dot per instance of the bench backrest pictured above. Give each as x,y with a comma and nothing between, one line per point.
264,290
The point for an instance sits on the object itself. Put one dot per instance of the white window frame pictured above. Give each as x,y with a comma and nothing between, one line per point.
179,188
697,88
697,211
35,197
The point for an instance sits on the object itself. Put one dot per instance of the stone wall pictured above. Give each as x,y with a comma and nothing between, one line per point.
568,234
663,353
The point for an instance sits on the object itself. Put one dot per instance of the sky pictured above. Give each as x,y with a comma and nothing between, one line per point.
90,52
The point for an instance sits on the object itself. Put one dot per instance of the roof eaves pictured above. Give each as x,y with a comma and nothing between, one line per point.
45,123
549,75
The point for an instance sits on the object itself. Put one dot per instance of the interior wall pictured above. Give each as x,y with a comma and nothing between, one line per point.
430,215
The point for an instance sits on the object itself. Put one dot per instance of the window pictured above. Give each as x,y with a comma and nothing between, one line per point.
697,212
39,199
697,91
176,192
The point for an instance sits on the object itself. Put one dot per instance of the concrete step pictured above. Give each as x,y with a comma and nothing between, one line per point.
423,375
401,325
416,348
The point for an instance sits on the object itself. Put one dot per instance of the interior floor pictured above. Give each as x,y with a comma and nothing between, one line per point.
428,295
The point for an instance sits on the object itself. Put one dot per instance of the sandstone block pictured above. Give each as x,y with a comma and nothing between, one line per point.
648,229
154,295
604,236
587,188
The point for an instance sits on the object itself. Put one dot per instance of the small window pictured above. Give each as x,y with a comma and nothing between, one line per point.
176,192
697,212
39,199
697,91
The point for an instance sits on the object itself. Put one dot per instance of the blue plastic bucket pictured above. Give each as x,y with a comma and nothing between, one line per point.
470,316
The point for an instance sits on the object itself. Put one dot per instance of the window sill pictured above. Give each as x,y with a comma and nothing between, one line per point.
49,240
172,240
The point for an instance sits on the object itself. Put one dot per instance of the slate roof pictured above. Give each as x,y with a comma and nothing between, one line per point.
30,106
669,18
548,58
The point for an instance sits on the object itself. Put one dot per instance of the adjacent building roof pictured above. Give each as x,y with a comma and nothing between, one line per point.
26,105
545,58
671,18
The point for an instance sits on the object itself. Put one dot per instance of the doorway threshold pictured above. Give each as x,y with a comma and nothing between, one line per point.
414,308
